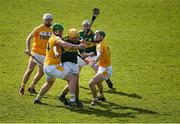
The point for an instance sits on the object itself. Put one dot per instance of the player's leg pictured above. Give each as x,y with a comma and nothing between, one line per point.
107,78
72,80
38,75
101,94
65,91
62,96
74,69
63,73
108,81
51,72
77,86
78,92
98,78
36,79
30,68
44,89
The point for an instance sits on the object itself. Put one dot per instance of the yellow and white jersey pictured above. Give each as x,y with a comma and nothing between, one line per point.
50,59
41,35
105,59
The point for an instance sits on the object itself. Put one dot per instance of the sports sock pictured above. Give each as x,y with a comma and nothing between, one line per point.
72,97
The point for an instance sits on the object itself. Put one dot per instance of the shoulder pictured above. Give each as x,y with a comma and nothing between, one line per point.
54,38
39,26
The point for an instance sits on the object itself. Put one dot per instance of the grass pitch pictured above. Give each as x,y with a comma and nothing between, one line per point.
144,38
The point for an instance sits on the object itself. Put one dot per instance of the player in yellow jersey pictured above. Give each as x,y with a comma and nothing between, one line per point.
39,37
104,66
53,67
90,52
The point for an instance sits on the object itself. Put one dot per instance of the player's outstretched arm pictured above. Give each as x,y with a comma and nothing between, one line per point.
69,45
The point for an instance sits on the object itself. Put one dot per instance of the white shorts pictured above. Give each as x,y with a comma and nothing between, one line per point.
106,71
41,58
55,71
90,59
71,67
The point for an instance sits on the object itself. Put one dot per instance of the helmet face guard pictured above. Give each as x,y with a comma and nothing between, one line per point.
86,25
99,35
47,18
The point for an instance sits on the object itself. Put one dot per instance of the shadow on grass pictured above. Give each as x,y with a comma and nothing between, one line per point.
108,109
101,112
114,91
139,110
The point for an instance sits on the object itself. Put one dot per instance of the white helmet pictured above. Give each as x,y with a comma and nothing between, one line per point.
86,22
47,16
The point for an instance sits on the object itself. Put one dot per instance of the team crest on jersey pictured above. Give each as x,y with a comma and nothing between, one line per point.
45,35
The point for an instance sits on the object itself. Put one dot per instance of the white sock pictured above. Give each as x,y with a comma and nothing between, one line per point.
72,97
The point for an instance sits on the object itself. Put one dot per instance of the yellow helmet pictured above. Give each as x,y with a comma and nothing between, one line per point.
73,33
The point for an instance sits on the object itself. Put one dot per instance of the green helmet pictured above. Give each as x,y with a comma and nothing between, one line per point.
57,26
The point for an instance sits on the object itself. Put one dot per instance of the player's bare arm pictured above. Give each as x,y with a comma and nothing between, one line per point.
55,49
69,45
28,44
98,56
